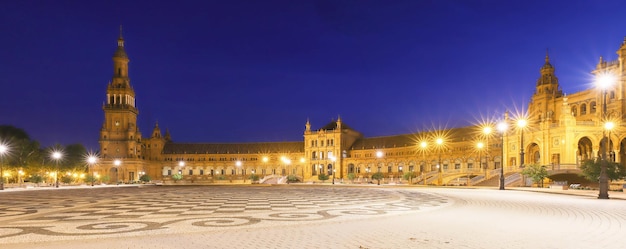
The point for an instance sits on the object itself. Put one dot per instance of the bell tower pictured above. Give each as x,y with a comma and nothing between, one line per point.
120,137
543,106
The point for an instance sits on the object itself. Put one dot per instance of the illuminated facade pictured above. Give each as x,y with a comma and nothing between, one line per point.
560,132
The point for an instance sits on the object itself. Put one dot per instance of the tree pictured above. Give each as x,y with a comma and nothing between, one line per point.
535,172
67,179
351,177
90,179
23,151
254,178
322,177
105,178
409,176
378,176
37,179
144,178
292,178
177,177
74,157
591,170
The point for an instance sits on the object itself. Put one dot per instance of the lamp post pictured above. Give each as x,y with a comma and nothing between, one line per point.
487,132
302,161
117,164
423,146
3,149
20,173
332,167
56,155
379,155
479,146
521,124
439,142
502,127
91,160
604,82
238,164
608,126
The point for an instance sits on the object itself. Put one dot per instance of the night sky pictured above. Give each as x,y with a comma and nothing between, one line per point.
254,71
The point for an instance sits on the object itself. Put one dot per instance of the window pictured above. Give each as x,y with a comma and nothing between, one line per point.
399,169
574,113
389,169
201,172
592,107
583,109
191,172
470,165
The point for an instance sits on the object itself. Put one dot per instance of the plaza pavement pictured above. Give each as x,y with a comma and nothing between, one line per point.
307,216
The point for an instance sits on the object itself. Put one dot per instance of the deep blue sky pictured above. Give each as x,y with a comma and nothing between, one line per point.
246,71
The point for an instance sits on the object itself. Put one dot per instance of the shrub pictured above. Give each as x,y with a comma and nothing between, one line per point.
322,177
145,178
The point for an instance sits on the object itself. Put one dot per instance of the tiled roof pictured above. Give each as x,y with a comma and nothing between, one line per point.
233,148
452,135
332,125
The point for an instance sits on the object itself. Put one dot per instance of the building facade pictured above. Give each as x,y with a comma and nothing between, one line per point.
561,130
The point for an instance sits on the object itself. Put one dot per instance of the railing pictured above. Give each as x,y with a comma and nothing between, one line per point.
477,179
562,166
512,178
585,123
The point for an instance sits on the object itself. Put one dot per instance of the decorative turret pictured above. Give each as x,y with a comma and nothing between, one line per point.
307,126
168,137
339,123
156,132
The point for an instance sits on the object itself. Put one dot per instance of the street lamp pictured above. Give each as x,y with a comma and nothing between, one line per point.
117,164
238,165
3,149
521,124
502,127
379,155
608,126
423,146
604,82
332,167
479,146
439,142
486,131
20,174
56,155
91,160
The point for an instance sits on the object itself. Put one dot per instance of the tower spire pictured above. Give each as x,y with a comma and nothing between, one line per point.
120,40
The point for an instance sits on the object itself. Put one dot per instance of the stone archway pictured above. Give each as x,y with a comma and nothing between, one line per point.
585,149
533,154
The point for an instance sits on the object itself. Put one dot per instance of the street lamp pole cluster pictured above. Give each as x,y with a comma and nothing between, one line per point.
604,82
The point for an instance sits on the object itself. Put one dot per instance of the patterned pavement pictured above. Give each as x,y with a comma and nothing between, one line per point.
305,216
51,215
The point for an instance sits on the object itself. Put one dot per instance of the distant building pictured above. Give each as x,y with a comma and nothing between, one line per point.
560,132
